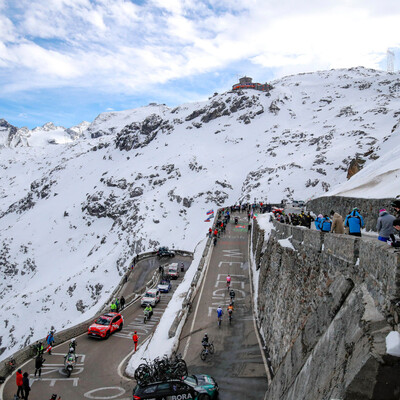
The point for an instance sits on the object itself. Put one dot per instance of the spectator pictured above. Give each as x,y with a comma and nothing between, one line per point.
354,221
50,341
25,385
396,205
337,223
318,222
39,361
384,225
392,240
135,338
122,302
325,224
308,219
19,379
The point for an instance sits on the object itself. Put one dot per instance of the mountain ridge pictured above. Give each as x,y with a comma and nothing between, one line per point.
76,209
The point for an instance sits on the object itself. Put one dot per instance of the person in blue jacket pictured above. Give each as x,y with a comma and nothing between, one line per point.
325,224
317,222
354,221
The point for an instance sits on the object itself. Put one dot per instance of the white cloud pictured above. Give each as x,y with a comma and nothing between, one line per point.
117,43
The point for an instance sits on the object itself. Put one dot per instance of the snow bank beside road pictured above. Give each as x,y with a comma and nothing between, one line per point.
160,343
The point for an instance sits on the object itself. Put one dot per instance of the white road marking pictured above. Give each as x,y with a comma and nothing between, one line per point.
230,263
234,253
54,380
90,394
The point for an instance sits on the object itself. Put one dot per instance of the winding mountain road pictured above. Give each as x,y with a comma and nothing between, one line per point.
237,364
99,371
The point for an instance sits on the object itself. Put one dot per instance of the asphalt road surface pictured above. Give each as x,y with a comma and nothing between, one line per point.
237,364
99,371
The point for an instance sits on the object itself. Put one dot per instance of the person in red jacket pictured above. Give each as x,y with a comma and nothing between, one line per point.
135,338
20,391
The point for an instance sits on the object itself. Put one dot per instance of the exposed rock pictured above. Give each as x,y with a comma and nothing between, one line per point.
354,167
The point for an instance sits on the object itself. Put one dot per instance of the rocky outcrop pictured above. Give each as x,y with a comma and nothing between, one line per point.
326,304
354,167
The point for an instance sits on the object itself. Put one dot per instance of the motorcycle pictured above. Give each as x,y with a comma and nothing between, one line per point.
69,363
146,316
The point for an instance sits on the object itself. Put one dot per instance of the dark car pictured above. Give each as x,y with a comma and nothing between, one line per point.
199,386
165,252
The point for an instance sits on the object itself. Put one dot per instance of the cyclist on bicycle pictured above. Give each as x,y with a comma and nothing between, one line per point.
230,310
204,342
228,281
220,313
232,295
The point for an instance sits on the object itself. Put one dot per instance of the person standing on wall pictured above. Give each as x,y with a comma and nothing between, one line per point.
384,226
354,221
337,223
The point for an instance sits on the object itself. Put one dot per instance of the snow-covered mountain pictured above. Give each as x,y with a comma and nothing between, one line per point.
77,204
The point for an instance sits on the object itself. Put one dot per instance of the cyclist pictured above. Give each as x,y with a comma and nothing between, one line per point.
204,342
228,281
230,310
220,313
232,295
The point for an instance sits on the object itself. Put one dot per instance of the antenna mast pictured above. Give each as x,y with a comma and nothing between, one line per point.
390,61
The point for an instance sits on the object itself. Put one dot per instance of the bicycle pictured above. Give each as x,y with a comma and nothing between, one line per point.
219,321
146,316
230,312
206,351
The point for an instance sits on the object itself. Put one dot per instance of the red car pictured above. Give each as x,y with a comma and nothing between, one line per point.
105,325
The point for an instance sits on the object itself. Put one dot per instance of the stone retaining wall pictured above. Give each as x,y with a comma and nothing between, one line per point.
325,309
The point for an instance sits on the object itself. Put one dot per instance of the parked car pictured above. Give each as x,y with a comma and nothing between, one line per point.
105,325
165,252
164,286
152,297
198,387
173,271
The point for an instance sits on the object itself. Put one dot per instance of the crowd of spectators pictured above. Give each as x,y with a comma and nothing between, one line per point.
388,225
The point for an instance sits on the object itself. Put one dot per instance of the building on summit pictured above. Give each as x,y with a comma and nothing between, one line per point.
247,83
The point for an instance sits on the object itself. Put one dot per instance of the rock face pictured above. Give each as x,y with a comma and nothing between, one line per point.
325,307
354,167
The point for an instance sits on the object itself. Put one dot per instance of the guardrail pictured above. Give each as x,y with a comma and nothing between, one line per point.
26,353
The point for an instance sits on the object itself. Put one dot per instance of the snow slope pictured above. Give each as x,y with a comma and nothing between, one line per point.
77,204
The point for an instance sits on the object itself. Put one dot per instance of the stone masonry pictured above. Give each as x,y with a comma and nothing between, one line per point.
325,309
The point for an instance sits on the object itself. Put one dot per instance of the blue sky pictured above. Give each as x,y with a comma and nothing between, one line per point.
66,61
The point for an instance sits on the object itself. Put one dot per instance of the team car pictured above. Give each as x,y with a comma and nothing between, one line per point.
164,286
165,252
151,297
197,387
105,325
173,271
